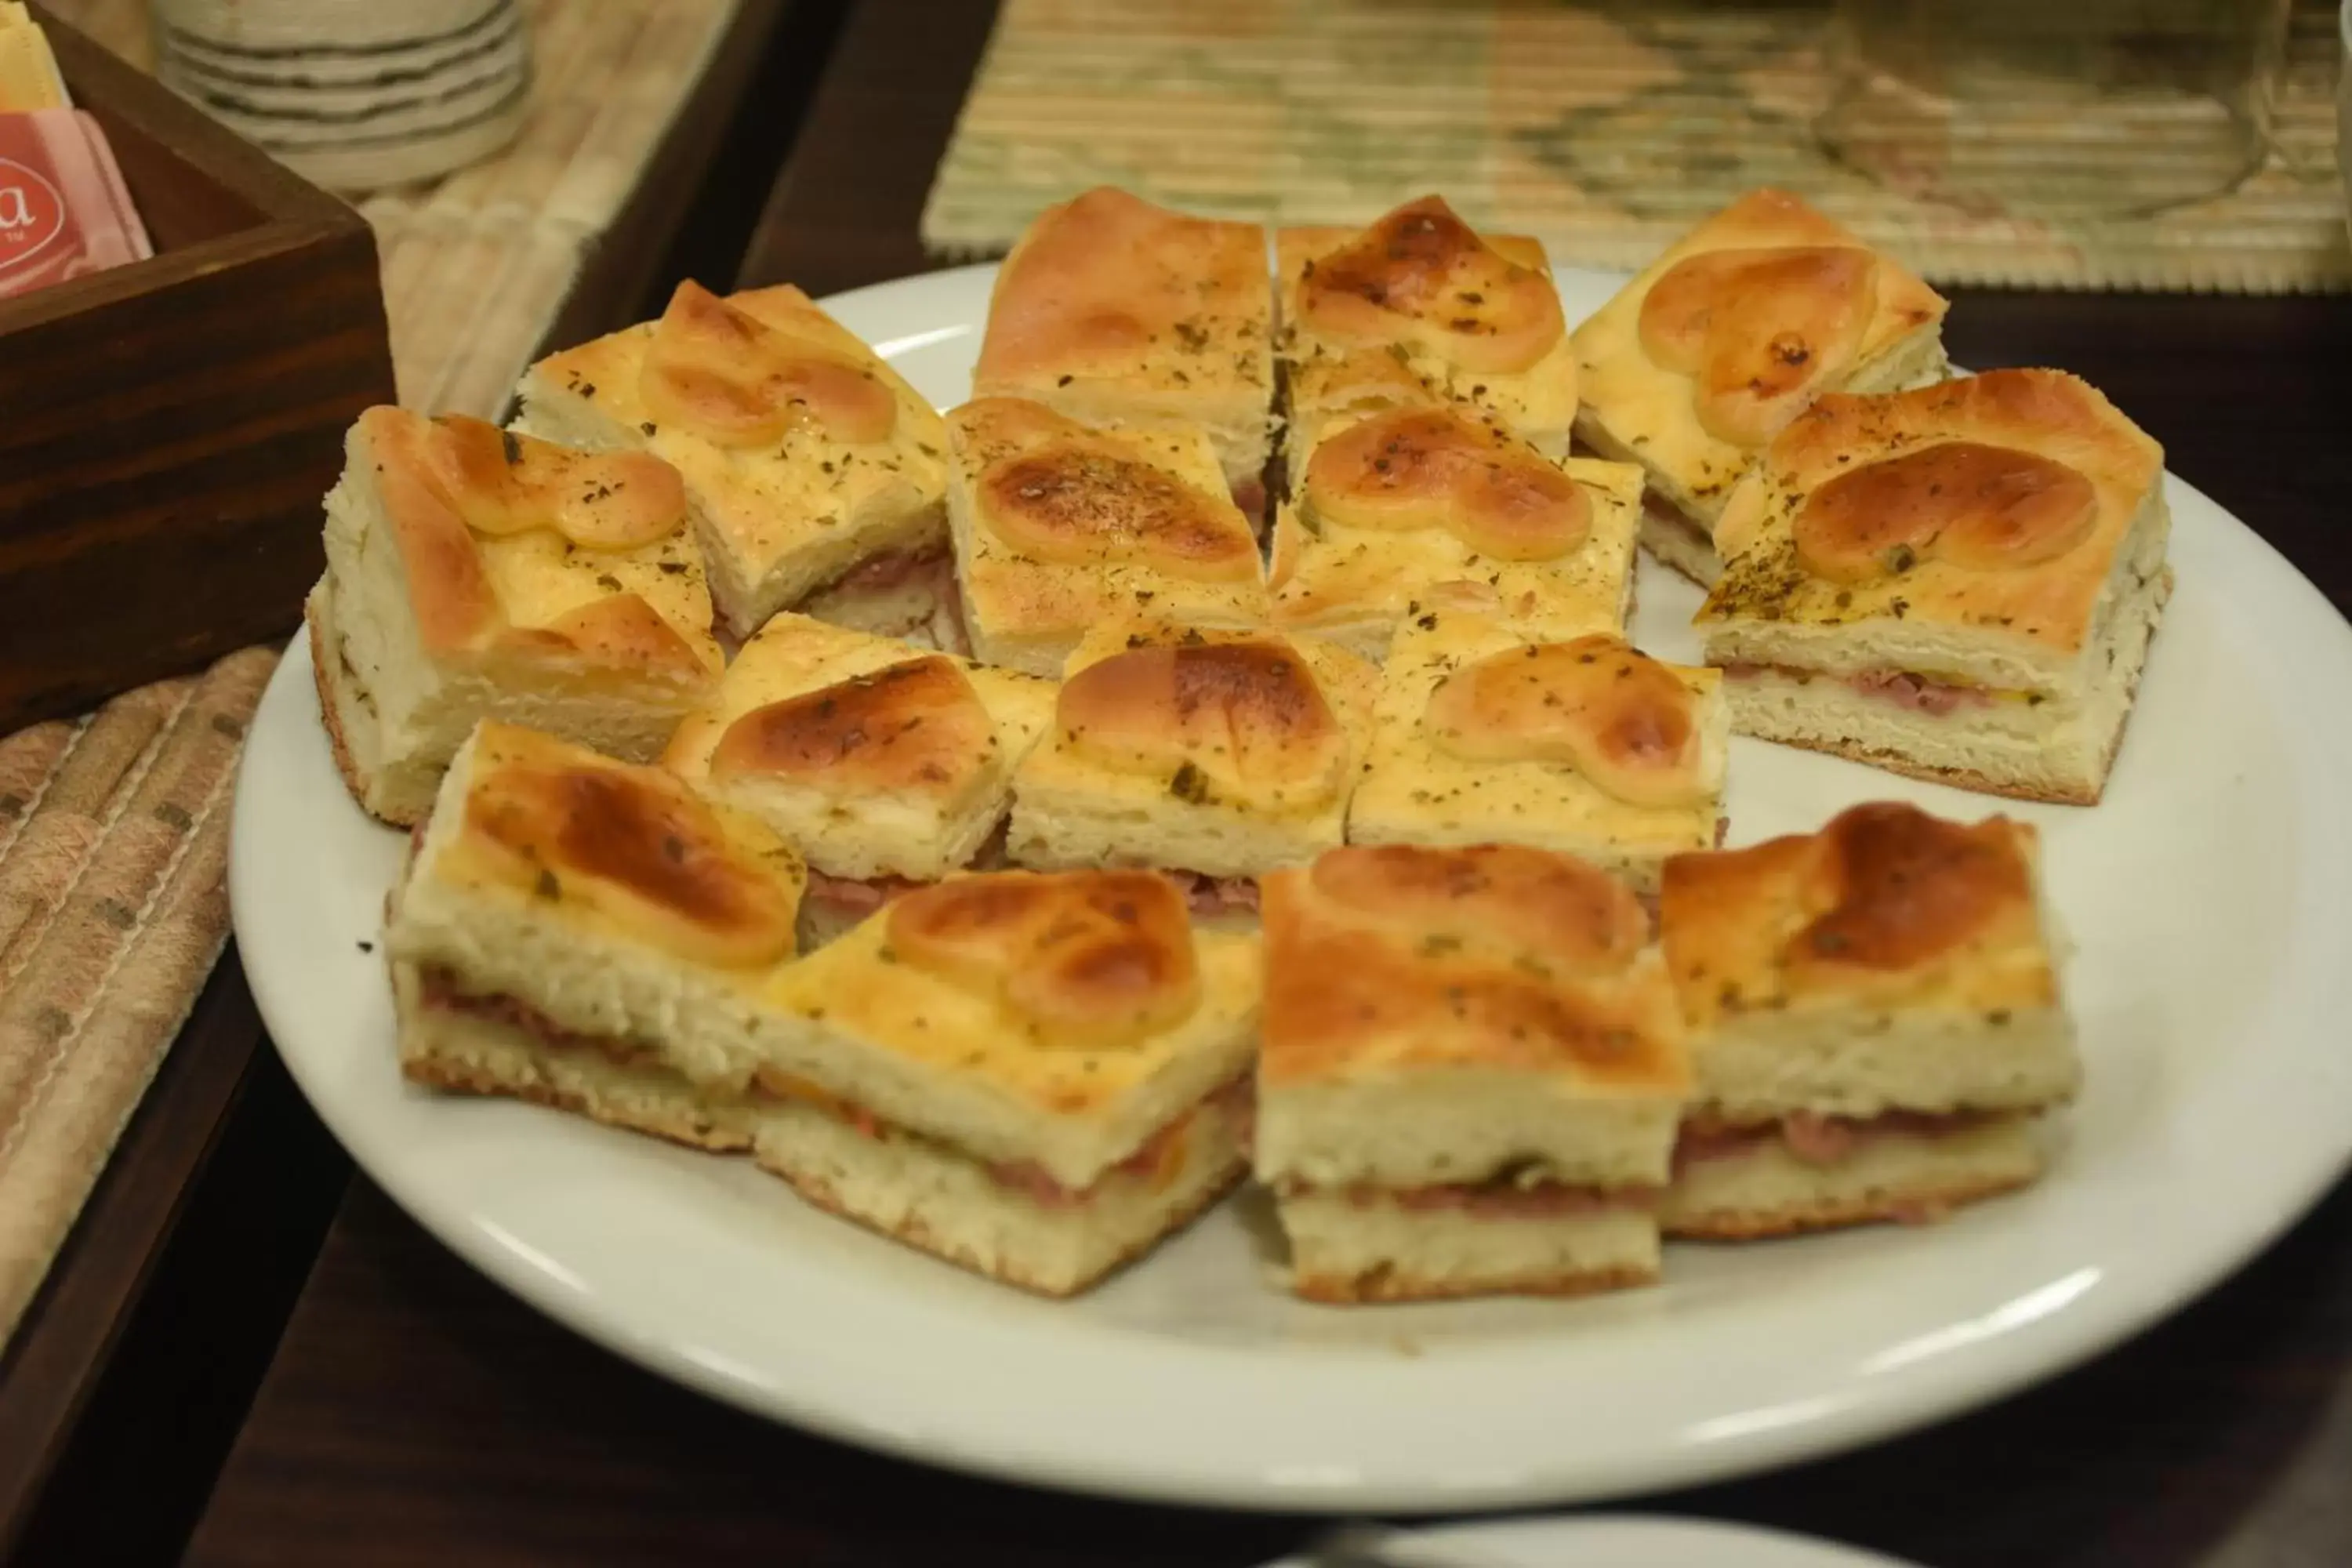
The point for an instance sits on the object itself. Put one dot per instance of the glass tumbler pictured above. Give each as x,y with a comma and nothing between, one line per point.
2054,108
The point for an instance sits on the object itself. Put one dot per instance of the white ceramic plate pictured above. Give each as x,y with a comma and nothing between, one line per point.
1613,1541
2207,895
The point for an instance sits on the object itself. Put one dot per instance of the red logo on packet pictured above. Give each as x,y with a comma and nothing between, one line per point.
64,212
32,216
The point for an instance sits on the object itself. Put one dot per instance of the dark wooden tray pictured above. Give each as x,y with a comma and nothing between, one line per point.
168,427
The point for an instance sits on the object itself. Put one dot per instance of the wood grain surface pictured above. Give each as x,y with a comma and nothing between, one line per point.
416,1413
167,428
2219,1440
139,1353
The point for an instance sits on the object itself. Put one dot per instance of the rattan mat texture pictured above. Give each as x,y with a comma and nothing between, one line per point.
114,827
1605,129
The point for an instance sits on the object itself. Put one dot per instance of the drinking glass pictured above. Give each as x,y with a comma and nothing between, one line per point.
2055,108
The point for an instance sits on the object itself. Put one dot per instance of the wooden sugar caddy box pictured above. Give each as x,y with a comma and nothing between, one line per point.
167,428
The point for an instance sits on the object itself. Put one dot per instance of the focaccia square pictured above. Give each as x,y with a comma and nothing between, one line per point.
1418,304
1959,583
1471,1074
1716,346
1060,527
1585,745
1875,1019
588,934
1116,312
818,476
1035,1076
891,765
1391,506
1220,754
473,574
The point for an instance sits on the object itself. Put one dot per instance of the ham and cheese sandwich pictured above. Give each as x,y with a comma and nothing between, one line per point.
1391,506
1959,583
1471,1075
1115,312
1875,1017
890,765
1707,355
1584,745
472,573
590,936
1037,1077
1214,756
1416,307
1059,528
817,475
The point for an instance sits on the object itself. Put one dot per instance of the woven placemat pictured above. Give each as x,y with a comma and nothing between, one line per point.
476,264
114,827
113,845
1605,129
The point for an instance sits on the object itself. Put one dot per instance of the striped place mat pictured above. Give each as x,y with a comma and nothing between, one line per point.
114,827
1606,129
477,264
113,846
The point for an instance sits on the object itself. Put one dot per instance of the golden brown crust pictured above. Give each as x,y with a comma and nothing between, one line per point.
1495,956
917,725
914,1233
1597,703
1441,468
1569,918
1109,288
740,379
1116,524
2001,501
1059,492
331,713
447,588
634,844
1759,308
1885,905
622,631
502,483
1089,958
1246,712
858,467
1421,276
694,1132
1344,353
1985,507
1912,1206
1388,1283
1905,888
453,488
1758,330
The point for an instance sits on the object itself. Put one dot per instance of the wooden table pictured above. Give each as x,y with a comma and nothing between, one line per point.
161,1312
412,1413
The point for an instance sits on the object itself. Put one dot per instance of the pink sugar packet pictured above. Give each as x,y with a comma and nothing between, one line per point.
64,209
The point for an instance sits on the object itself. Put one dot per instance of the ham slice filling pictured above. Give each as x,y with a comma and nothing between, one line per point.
1207,895
847,896
894,569
1160,1160
1900,687
1817,1141
858,898
1250,495
440,991
1658,508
